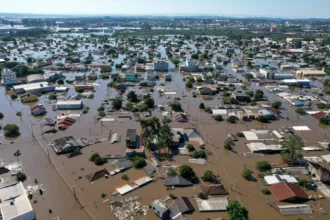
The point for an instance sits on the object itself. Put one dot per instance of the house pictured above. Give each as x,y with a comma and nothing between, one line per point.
150,75
51,77
8,77
205,91
212,204
130,77
15,203
135,152
37,110
161,65
288,192
97,175
267,113
184,205
66,144
131,138
180,117
321,173
159,207
240,97
121,86
214,189
34,88
29,98
177,181
35,78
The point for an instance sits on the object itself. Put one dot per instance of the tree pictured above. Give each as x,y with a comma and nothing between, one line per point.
262,119
129,106
20,177
190,147
52,96
189,85
13,96
218,118
125,177
236,211
248,76
324,121
247,174
17,154
266,191
263,166
60,82
149,102
1,115
188,173
117,103
165,136
194,56
201,105
131,96
11,130
300,111
203,196
176,106
292,148
228,144
208,176
258,95
99,161
139,162
276,104
171,172
231,119
198,154
306,184
93,157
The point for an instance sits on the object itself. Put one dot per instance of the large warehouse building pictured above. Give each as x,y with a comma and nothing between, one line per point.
69,104
34,88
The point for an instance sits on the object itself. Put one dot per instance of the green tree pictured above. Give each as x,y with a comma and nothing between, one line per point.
139,163
125,177
247,174
188,173
300,111
149,102
201,105
262,119
231,119
165,136
190,147
324,121
194,56
52,96
266,191
17,154
203,196
176,106
131,96
189,85
11,130
93,157
117,103
263,166
291,149
60,82
20,177
198,154
228,145
1,115
208,176
276,104
236,211
218,118
171,172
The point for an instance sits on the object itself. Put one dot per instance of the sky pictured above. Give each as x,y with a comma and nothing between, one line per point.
237,8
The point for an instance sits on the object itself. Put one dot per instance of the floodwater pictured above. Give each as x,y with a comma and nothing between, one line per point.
38,158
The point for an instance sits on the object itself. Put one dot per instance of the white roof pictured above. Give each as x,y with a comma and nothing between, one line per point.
250,136
14,208
326,158
124,189
115,138
143,180
212,204
273,179
69,102
31,85
301,128
295,209
259,146
219,112
11,191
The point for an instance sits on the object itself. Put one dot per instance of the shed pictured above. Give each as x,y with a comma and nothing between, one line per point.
159,207
115,138
212,204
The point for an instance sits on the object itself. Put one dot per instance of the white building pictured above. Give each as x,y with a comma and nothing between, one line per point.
15,204
34,88
161,65
69,104
8,77
191,65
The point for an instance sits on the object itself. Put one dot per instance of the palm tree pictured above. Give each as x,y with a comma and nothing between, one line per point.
17,154
292,148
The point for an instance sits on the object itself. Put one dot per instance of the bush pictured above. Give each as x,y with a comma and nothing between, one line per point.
171,172
188,173
139,162
208,176
266,191
201,106
198,154
125,177
102,114
19,114
236,211
262,119
240,134
218,118
203,196
263,166
190,147
300,111
324,121
247,174
176,106
228,144
11,130
20,177
172,196
189,85
305,184
52,96
276,104
231,119
13,96
60,81
93,157
103,195
1,115
85,110
91,96
99,161
101,108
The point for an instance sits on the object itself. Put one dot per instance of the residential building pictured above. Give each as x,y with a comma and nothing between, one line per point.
159,207
130,77
268,72
274,179
66,145
131,138
15,204
34,88
214,189
287,192
35,78
150,75
51,77
212,204
205,91
191,65
69,104
37,110
294,82
321,172
177,181
161,65
240,97
8,77
180,117
184,205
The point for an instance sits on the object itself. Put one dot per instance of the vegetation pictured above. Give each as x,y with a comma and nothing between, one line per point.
60,82
52,96
125,177
20,177
240,134
19,114
188,173
189,85
306,184
1,115
292,148
139,162
11,130
263,166
17,154
300,111
97,159
247,174
172,196
236,211
103,195
132,97
13,96
190,147
201,105
198,154
203,196
228,145
231,119
176,106
276,104
266,191
171,172
117,103
91,96
262,119
218,118
208,176
85,110
324,121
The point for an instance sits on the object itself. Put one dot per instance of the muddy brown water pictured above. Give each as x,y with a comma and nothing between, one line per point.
227,165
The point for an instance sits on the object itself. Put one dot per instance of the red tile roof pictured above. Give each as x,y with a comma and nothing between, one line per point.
288,192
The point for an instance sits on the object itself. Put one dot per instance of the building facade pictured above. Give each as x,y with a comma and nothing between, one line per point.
161,65
9,77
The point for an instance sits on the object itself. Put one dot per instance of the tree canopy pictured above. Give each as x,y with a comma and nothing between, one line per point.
236,211
292,148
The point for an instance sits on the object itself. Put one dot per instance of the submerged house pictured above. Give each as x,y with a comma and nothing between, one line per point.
321,173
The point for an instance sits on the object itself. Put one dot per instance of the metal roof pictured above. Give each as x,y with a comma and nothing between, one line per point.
69,102
212,204
295,209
